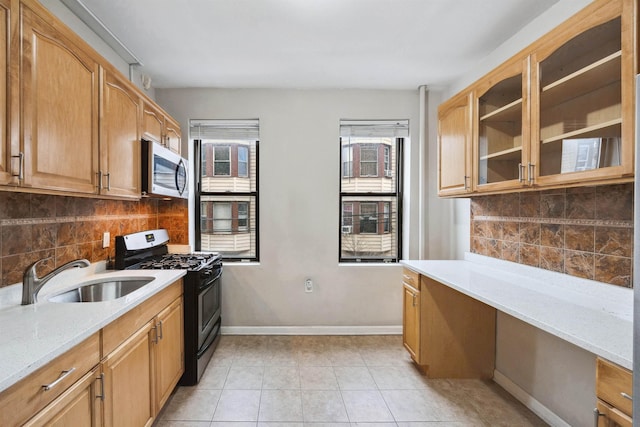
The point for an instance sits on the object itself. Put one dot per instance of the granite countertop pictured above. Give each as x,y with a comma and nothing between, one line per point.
592,315
33,335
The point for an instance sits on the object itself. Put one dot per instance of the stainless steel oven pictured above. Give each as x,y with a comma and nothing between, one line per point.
164,173
201,292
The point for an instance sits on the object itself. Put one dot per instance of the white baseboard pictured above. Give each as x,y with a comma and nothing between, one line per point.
312,330
529,401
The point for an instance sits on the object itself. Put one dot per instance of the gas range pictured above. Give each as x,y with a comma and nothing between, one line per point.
201,292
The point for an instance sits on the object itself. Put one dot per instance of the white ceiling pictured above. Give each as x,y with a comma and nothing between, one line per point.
388,44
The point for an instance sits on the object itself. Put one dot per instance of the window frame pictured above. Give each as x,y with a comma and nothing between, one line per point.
245,149
397,194
375,149
216,161
254,195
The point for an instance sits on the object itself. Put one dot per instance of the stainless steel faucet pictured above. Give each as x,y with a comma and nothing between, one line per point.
31,283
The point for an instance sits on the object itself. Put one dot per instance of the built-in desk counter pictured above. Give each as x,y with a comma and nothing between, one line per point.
594,316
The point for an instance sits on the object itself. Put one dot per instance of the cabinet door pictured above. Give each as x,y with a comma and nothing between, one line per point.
454,146
152,123
119,137
411,321
6,159
610,416
78,406
128,381
169,351
583,86
501,119
172,135
59,106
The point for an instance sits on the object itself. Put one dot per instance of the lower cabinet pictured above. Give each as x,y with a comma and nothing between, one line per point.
447,334
142,361
614,393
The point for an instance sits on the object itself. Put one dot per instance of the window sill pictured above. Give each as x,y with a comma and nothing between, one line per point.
368,264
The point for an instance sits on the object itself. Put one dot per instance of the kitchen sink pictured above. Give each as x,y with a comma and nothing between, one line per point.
102,290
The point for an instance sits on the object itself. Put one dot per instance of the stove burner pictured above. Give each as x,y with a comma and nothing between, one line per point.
177,261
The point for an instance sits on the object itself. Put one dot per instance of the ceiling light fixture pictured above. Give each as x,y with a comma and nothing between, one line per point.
98,27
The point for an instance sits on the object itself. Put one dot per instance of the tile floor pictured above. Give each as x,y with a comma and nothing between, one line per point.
296,381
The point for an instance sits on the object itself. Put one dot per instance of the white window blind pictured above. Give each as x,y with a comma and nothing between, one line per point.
374,128
225,129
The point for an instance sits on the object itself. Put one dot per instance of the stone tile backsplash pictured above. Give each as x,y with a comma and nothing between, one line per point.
585,232
61,228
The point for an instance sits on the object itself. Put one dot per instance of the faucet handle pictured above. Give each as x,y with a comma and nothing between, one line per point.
31,269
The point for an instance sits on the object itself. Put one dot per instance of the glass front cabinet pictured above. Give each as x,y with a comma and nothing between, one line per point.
561,112
502,139
583,106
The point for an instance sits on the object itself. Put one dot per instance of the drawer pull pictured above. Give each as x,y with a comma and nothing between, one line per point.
62,376
407,278
626,396
596,415
159,324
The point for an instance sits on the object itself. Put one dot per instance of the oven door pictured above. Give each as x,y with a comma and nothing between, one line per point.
209,304
164,172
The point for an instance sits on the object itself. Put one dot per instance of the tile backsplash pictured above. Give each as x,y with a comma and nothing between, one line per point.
585,232
36,226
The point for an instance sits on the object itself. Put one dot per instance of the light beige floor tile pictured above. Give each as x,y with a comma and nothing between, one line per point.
281,378
375,425
388,357
191,404
277,424
345,357
313,357
280,405
250,357
168,423
354,378
281,357
213,377
323,406
443,424
222,357
397,377
318,378
232,424
238,405
366,406
408,405
327,424
244,378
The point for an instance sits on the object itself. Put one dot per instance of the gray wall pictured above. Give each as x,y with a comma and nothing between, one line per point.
299,209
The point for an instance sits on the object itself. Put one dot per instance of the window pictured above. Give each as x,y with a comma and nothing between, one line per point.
370,190
368,160
243,161
347,162
227,179
222,161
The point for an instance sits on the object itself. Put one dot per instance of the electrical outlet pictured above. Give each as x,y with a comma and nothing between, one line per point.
308,285
106,238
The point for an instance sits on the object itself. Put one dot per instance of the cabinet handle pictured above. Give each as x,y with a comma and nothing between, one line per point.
63,375
155,333
20,158
596,415
108,175
160,330
99,174
407,278
466,178
530,173
520,172
626,396
414,299
101,379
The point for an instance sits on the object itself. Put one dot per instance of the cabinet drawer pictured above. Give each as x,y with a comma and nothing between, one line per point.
19,402
611,417
611,382
411,278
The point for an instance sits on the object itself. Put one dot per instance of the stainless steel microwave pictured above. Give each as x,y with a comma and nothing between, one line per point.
164,173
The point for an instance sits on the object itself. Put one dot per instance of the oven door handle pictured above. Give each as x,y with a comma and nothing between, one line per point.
209,283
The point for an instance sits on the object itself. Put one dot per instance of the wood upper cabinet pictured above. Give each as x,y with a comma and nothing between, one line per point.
59,106
169,350
454,146
128,381
501,119
6,152
152,123
172,135
119,172
583,81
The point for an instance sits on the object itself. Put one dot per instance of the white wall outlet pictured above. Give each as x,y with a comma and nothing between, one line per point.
308,285
106,239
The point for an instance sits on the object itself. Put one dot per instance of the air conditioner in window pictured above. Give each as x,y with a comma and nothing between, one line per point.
346,229
388,173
